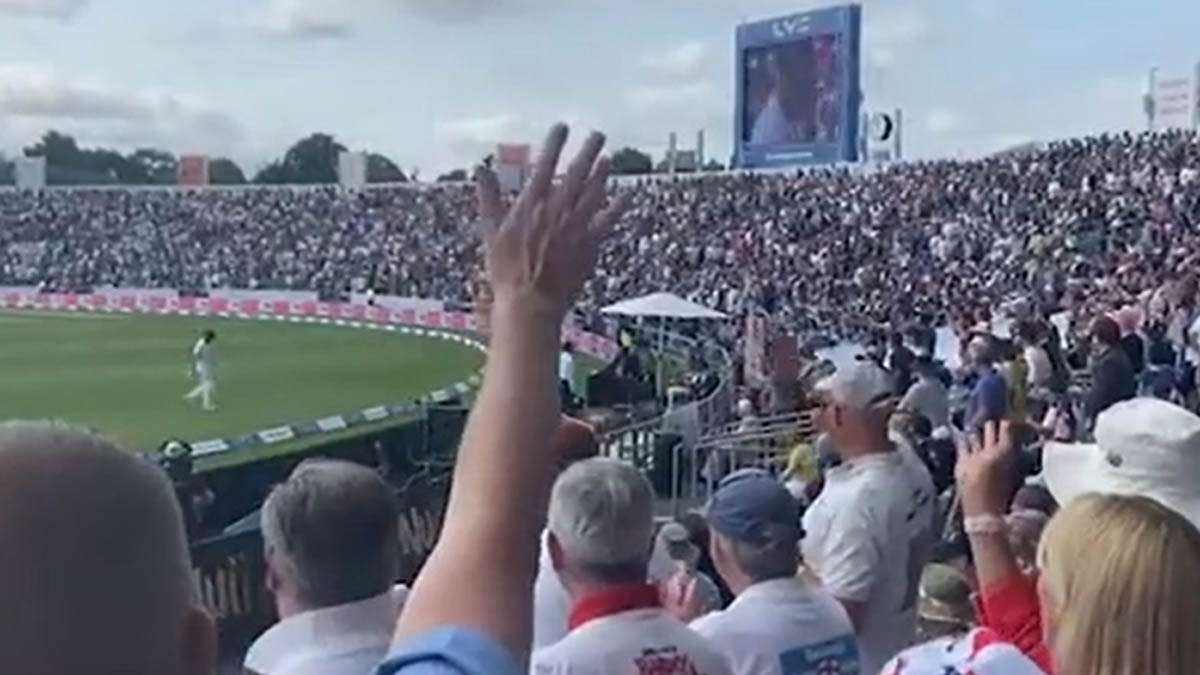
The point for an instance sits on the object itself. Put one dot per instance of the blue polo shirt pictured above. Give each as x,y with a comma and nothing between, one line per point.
450,651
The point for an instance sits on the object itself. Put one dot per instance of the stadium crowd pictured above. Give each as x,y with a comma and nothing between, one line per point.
835,253
552,563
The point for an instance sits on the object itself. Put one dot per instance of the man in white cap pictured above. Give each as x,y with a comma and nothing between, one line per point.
870,532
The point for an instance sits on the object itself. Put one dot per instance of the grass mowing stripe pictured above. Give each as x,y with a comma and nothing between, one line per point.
127,377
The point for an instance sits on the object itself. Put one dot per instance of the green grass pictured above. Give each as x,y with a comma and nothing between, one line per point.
126,375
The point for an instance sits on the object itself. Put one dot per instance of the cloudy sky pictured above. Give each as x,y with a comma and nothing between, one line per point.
433,83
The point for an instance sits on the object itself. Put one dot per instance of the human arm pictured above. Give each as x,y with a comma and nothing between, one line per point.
1008,601
480,574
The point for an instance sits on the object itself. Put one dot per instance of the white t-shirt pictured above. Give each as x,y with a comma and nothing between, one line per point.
630,643
781,627
352,638
1040,368
930,398
552,604
867,537
772,126
566,367
202,359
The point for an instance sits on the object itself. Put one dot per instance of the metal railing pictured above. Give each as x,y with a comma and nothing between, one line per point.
637,442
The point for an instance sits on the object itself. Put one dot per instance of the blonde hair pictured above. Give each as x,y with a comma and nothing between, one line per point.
1120,574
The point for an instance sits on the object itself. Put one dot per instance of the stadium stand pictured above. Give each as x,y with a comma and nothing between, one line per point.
1098,226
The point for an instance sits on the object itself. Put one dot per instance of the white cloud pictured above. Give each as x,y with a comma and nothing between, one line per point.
50,9
892,30
303,18
943,121
36,98
985,10
645,97
339,18
687,60
487,129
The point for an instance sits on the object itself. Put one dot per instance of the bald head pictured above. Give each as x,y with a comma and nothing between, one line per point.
94,572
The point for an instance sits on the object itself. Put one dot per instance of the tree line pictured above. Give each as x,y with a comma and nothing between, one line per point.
312,159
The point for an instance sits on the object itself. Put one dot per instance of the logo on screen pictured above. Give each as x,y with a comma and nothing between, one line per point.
789,27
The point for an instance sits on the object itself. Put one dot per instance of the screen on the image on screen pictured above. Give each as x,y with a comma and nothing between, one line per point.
793,92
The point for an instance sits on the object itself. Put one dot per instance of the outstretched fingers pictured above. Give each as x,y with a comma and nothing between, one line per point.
594,192
540,183
491,204
604,222
580,174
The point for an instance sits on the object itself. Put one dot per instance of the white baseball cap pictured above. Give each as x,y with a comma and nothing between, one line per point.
1144,446
862,385
979,653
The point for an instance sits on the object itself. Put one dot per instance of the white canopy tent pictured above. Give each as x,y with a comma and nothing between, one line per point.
663,306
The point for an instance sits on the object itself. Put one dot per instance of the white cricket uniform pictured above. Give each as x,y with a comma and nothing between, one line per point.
552,604
783,627
204,367
566,369
867,537
772,126
632,642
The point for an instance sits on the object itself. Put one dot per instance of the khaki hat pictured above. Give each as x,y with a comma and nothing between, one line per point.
945,596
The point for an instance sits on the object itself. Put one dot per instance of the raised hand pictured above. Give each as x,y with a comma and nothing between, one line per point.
983,470
680,598
540,250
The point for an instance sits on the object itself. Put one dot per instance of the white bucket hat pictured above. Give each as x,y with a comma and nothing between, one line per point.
978,653
1144,446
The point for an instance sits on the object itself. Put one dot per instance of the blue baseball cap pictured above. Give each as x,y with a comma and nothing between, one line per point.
752,506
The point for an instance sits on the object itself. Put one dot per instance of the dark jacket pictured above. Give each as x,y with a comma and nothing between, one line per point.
1134,349
1112,381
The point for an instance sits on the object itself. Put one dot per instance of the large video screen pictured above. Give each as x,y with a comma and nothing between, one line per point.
798,89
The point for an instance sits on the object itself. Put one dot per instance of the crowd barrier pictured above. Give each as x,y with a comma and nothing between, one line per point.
651,444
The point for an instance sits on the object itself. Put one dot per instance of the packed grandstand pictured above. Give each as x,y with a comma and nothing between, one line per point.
840,254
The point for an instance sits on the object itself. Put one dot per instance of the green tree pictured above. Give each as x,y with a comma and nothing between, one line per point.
713,165
224,171
312,159
67,163
272,174
158,166
456,175
8,174
380,169
58,149
631,161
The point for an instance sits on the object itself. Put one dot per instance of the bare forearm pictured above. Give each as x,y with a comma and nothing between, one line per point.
514,416
500,482
994,560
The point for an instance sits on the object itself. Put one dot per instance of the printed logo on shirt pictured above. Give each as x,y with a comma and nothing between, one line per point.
835,657
665,661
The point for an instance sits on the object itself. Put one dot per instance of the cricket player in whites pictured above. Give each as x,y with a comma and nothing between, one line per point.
205,372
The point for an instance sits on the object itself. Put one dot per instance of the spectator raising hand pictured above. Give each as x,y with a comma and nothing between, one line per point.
470,609
982,470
